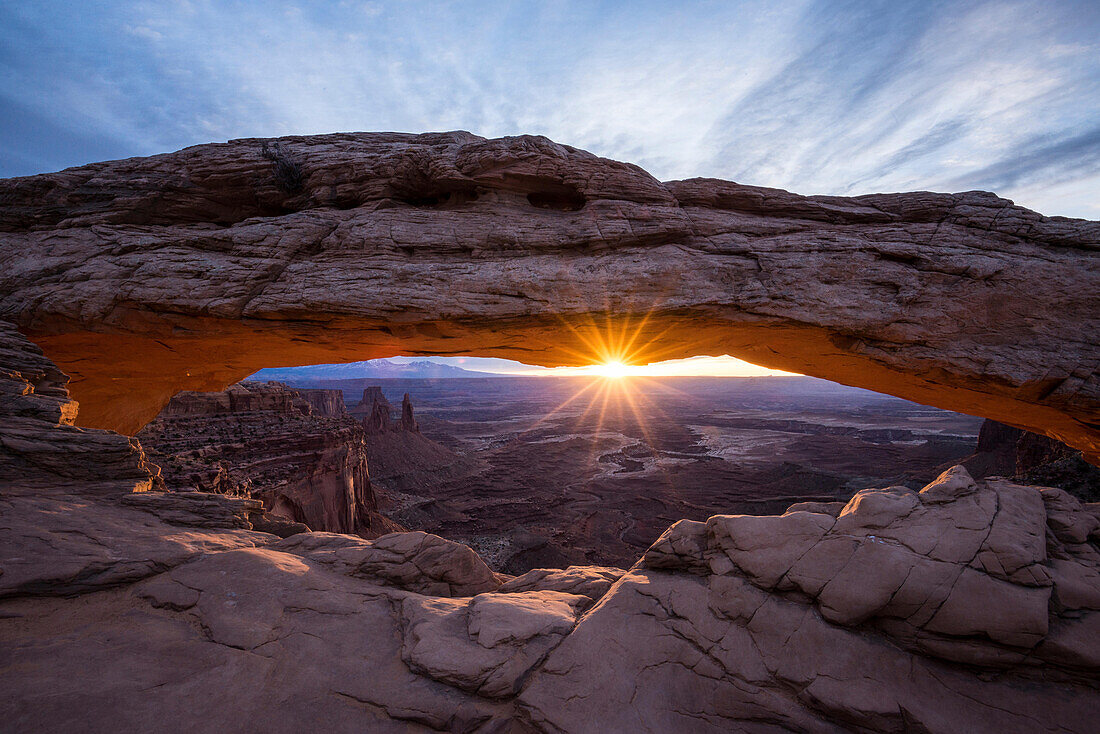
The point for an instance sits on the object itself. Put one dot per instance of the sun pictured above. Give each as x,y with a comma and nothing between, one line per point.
613,370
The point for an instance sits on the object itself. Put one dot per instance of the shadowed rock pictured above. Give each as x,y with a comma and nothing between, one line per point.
371,396
378,421
1029,458
408,422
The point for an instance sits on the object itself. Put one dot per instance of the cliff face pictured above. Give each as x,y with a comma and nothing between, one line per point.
196,268
327,403
1033,459
371,396
296,450
401,458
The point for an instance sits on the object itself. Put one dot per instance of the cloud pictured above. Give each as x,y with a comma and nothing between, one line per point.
922,96
145,32
833,96
1040,158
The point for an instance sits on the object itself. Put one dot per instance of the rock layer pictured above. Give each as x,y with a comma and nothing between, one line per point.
295,450
193,269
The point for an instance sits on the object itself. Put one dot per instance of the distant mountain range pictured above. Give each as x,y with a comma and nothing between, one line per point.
371,368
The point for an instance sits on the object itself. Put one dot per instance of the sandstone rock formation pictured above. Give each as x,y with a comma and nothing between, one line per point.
408,422
971,605
295,450
38,438
400,457
876,620
414,561
193,269
327,403
1030,458
968,606
377,420
371,396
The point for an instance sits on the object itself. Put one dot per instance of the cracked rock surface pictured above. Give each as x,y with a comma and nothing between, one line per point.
967,606
191,270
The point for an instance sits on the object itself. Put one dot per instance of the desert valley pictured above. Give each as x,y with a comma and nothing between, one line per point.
550,472
562,471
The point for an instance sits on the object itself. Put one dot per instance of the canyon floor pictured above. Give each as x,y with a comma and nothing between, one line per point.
562,471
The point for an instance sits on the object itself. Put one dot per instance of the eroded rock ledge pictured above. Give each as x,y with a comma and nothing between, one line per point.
967,606
191,270
297,451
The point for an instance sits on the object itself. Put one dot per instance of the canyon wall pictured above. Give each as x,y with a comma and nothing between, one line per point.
1033,459
295,450
191,270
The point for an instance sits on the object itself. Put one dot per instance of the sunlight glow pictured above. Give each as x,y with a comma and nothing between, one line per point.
613,370
630,347
702,366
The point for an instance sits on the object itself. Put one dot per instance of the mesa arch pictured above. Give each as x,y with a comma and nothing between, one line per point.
191,270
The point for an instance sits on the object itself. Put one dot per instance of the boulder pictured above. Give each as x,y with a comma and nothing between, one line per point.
415,561
591,582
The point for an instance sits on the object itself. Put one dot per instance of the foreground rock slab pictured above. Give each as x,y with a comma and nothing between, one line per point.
193,269
702,635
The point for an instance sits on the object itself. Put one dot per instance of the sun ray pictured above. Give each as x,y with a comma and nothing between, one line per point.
637,331
562,406
614,351
599,427
640,418
601,397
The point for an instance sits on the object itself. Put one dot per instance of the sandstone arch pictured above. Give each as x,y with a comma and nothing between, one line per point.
191,270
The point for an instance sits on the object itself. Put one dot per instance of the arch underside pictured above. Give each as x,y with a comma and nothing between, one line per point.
192,270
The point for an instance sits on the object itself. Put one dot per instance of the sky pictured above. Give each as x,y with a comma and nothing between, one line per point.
829,97
819,97
719,366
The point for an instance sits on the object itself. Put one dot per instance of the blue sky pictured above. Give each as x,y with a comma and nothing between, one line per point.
815,97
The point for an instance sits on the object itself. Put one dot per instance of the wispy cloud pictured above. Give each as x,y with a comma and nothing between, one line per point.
832,96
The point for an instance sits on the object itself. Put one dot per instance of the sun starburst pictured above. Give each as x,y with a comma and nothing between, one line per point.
613,370
615,352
